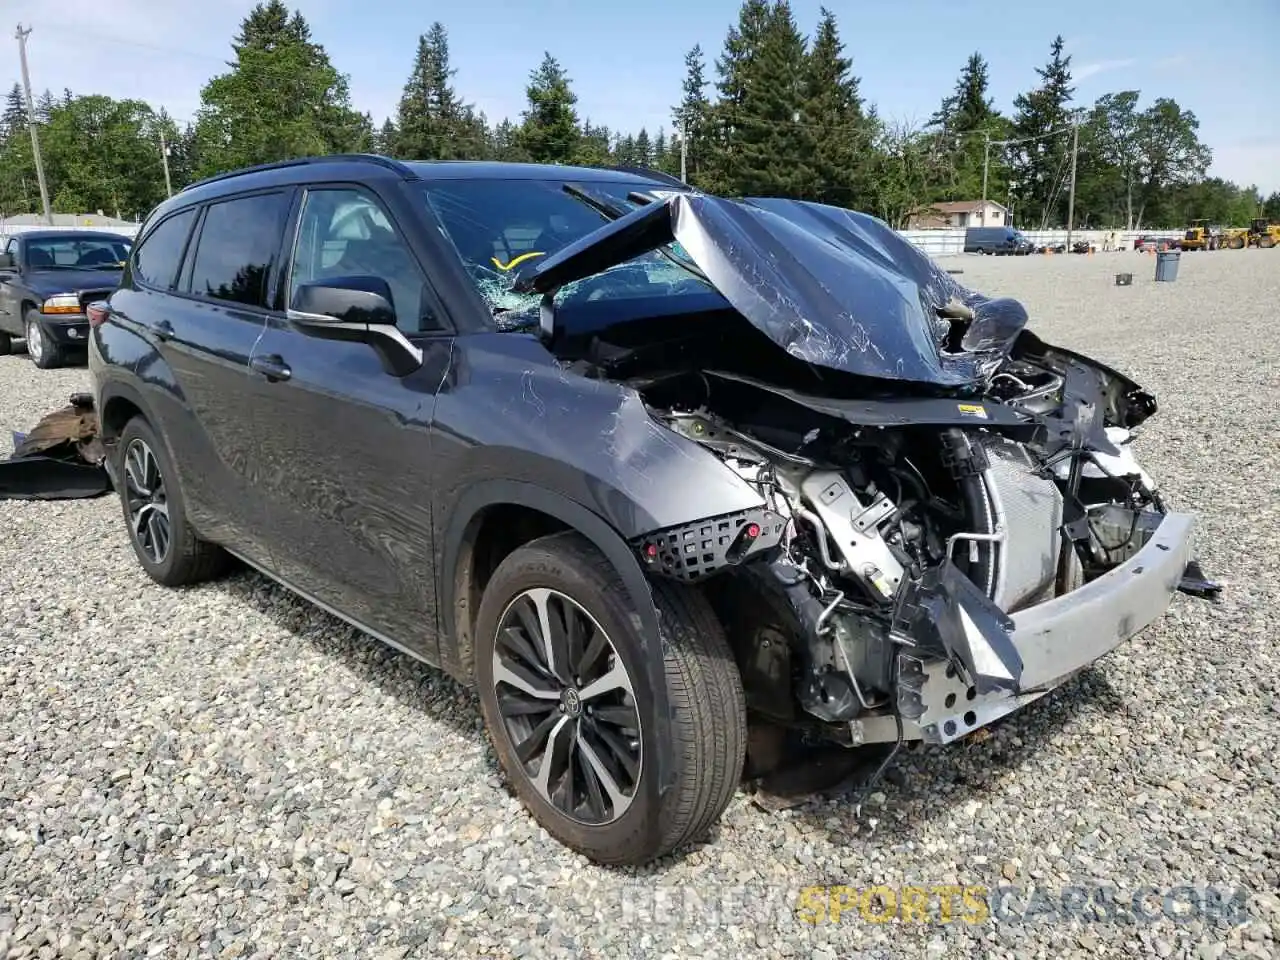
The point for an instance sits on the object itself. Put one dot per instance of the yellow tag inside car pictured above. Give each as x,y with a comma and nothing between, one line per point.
972,410
520,259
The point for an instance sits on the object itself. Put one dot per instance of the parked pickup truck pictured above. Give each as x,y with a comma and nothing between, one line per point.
46,279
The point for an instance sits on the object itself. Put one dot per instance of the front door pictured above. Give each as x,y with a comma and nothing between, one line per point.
10,317
349,483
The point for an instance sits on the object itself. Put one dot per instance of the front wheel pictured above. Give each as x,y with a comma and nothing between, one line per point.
44,351
564,688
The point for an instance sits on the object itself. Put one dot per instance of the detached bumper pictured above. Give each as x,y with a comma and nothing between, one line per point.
1056,639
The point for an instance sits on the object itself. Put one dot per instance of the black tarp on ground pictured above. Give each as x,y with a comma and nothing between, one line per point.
60,459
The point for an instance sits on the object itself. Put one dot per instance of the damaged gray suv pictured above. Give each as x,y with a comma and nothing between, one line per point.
648,468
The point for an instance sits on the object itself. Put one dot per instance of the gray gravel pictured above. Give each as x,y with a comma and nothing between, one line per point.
226,772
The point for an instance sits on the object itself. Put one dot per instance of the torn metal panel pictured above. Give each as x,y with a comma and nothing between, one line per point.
944,612
60,459
832,287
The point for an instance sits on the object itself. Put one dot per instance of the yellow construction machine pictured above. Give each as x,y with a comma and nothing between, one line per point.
1264,233
1199,236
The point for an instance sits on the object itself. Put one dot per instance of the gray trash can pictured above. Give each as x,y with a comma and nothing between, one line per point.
1167,265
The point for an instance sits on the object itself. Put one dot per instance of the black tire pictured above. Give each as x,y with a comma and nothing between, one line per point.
706,731
186,559
44,351
6,344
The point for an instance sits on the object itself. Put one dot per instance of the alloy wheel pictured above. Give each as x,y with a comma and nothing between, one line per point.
568,706
147,501
35,341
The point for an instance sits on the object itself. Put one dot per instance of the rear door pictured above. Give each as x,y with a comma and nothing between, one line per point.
350,500
204,332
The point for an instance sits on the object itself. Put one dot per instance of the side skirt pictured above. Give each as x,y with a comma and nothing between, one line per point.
395,644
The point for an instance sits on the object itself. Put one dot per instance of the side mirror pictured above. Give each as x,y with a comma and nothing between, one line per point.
355,309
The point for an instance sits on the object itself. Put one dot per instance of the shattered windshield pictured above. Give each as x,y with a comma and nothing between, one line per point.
499,225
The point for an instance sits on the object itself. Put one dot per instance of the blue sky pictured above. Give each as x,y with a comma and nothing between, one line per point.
626,60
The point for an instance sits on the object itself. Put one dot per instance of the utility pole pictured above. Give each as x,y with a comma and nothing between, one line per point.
1071,197
31,121
684,150
986,162
164,159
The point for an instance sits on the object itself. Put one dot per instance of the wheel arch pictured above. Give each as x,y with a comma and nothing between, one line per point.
489,505
119,403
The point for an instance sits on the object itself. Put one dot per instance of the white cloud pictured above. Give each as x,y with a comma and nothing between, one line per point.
1085,71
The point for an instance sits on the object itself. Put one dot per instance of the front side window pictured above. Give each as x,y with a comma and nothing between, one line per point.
158,256
236,248
345,233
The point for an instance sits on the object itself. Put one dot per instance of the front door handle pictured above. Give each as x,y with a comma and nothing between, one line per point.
271,366
162,330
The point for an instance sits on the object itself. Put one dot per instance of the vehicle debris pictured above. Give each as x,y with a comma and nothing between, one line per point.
60,459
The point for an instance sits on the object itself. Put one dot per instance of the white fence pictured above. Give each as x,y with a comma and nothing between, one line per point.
936,243
946,242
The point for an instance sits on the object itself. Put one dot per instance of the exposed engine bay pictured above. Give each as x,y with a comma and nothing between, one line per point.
942,494
894,546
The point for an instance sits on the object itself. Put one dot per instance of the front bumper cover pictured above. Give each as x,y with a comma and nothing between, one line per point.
1055,640
69,329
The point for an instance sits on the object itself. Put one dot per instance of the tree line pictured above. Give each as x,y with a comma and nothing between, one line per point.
777,113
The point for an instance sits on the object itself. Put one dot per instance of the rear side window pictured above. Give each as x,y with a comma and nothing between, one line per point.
237,247
157,259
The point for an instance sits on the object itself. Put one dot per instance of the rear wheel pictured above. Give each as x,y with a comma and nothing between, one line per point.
155,512
6,344
44,351
561,667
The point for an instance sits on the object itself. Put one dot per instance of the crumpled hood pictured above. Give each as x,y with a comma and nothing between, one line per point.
832,287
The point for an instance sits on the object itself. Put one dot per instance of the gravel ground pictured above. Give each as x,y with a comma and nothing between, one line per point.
226,772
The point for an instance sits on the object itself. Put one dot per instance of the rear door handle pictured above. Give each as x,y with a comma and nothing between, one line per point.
162,330
271,366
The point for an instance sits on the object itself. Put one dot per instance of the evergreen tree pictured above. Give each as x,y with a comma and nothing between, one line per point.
45,105
432,122
505,143
550,131
386,140
282,98
835,123
13,121
692,116
593,148
643,149
967,119
764,149
659,158
1041,164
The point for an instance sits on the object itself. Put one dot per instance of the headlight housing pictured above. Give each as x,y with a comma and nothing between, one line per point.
61,303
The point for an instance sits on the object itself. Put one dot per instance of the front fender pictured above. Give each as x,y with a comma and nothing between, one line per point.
457,645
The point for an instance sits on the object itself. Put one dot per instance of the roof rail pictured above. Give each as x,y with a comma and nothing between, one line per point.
652,175
378,159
